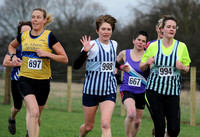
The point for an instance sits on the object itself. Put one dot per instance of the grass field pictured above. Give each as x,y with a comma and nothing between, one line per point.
57,122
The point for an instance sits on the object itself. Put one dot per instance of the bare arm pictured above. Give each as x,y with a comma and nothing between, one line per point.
60,55
8,63
120,58
180,66
12,50
143,66
149,63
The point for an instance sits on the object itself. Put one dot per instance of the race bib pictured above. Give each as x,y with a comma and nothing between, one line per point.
166,71
35,64
134,81
106,66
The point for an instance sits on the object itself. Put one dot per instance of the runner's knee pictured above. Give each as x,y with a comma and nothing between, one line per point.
89,127
173,132
131,115
137,123
105,125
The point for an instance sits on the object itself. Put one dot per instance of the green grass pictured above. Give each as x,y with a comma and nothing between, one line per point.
57,122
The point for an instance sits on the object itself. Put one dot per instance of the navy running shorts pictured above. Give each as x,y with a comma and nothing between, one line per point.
94,100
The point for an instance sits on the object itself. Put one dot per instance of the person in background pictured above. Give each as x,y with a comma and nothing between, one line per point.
159,33
167,59
133,86
159,36
35,72
16,95
100,84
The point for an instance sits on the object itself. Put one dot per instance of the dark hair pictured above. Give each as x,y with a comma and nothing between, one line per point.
105,18
22,23
141,32
166,18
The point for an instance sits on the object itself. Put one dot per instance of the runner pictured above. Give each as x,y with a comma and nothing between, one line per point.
100,85
167,58
159,33
35,72
17,98
133,86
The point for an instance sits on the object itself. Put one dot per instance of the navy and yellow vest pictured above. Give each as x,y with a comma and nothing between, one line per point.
100,77
164,78
33,66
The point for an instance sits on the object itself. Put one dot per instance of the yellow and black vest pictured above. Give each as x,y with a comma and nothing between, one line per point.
33,66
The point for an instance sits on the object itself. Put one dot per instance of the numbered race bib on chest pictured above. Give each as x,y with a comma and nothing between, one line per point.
134,81
166,71
106,66
35,64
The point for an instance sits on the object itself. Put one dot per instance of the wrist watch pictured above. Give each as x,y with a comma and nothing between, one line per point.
12,55
185,68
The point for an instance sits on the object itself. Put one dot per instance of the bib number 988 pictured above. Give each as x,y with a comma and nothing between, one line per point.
106,66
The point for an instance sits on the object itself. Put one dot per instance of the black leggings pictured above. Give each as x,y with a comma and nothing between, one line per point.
161,107
17,97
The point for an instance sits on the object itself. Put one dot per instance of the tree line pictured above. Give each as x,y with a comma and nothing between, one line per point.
75,18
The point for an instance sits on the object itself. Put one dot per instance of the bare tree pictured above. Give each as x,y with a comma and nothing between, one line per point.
66,11
13,11
74,18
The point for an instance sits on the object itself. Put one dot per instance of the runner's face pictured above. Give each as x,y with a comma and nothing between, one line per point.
140,42
169,29
104,32
37,20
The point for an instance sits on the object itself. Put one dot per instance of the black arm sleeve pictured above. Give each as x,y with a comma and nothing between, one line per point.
117,65
19,38
80,60
147,72
52,40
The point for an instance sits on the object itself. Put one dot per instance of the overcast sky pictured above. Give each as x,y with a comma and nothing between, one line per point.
120,9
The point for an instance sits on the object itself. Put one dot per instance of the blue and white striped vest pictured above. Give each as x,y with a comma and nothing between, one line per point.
100,78
164,78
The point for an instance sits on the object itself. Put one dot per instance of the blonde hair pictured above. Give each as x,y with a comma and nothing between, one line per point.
159,24
48,17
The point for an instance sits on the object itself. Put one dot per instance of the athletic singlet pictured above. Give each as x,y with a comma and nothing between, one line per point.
148,43
164,78
15,70
135,80
33,66
100,78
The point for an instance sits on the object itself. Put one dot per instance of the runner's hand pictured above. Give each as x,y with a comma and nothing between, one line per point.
86,43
